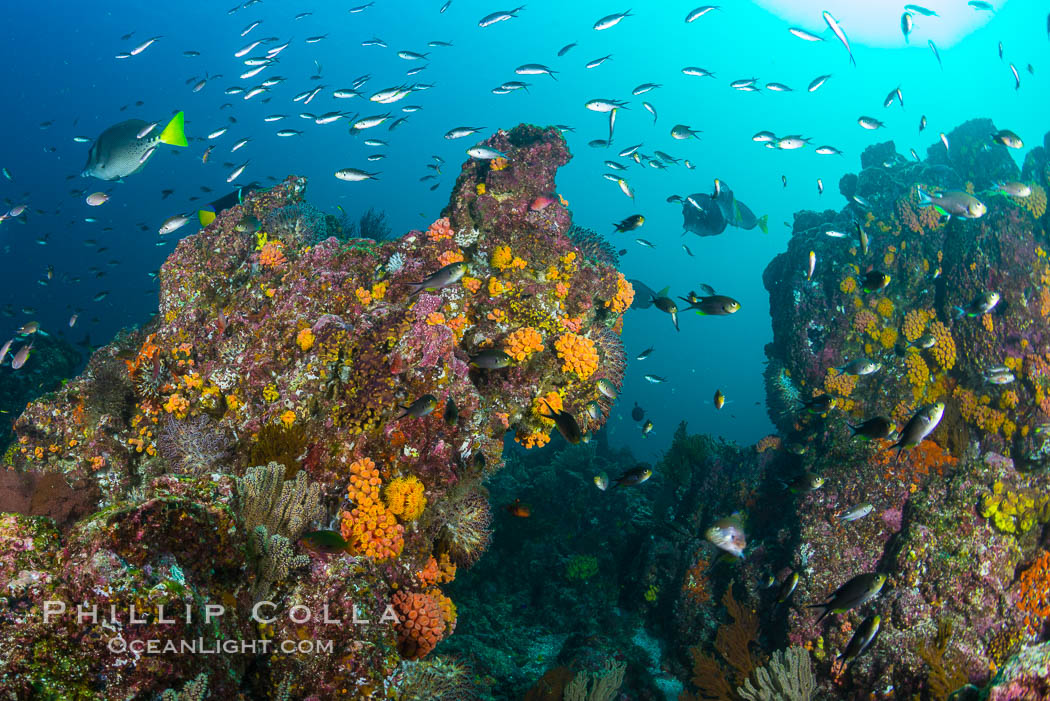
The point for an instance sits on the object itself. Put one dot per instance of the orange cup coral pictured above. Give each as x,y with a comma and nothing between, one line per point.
578,353
370,527
522,343
621,301
404,497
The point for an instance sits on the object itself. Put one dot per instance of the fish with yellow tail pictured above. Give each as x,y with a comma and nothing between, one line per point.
119,151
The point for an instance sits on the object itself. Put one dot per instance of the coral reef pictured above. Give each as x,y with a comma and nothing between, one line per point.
956,522
254,445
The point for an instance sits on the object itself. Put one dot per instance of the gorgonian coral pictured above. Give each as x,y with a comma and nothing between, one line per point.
593,245
613,354
194,445
465,528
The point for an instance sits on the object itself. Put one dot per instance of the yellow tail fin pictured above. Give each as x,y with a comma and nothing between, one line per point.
205,216
175,133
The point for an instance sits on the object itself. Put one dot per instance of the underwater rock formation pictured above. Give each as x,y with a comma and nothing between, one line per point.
280,351
956,521
51,361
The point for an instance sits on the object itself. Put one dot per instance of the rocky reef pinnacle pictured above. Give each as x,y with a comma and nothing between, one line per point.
301,434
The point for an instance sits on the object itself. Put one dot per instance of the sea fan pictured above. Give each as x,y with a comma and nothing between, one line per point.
782,396
593,246
371,225
193,446
613,356
112,390
466,531
149,377
432,679
296,224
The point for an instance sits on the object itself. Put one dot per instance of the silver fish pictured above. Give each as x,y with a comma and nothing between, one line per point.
834,25
856,513
498,16
728,534
355,175
21,357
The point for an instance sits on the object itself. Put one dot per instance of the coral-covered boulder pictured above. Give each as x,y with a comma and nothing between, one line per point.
357,390
955,519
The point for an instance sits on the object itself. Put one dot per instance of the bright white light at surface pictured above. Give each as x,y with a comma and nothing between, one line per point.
878,22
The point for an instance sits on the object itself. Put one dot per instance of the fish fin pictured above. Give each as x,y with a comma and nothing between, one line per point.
958,312
175,133
205,216
664,291
763,223
701,312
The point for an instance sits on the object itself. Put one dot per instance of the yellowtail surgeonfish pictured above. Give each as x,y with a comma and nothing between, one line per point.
120,151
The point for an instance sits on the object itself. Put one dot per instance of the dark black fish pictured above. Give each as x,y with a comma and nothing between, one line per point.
821,404
207,215
667,305
856,592
875,280
566,423
421,407
643,295
637,413
451,414
491,359
327,542
877,428
630,223
715,305
862,639
635,475
702,216
787,588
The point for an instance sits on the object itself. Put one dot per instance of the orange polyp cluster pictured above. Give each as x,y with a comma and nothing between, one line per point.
450,257
621,301
437,571
578,353
272,255
370,527
421,623
440,230
1035,593
522,343
916,463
